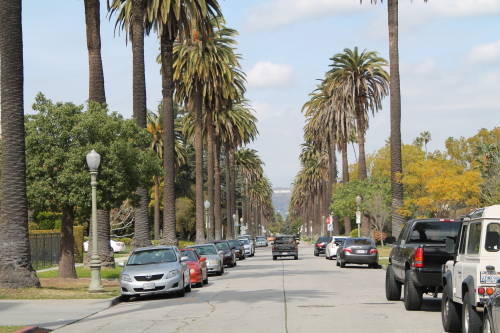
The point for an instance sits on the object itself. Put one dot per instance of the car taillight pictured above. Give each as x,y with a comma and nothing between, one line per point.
373,250
447,220
347,249
419,257
321,245
272,249
488,290
296,247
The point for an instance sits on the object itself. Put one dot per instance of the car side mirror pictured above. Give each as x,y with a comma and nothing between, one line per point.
203,259
221,252
184,259
233,247
450,245
121,264
298,243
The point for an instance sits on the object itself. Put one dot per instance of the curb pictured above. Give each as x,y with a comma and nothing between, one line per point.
33,329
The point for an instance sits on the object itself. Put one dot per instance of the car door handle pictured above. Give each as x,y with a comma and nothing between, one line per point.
459,272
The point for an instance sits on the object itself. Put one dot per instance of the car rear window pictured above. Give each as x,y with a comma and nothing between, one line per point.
323,240
190,255
359,241
433,232
284,240
222,246
208,249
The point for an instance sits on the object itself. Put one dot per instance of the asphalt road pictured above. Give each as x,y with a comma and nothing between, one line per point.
261,295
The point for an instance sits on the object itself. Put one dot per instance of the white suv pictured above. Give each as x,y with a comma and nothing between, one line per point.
332,246
470,279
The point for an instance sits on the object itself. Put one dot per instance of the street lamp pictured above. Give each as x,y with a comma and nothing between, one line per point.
207,219
235,219
358,214
93,160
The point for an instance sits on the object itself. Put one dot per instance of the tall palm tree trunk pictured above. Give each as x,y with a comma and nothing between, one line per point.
217,192
345,180
96,74
157,208
232,208
169,221
15,261
142,235
198,148
228,187
210,171
361,128
395,100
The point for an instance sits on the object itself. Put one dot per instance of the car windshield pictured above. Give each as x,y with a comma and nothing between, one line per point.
284,240
339,241
222,246
206,249
261,238
323,239
190,255
155,256
245,241
234,243
359,241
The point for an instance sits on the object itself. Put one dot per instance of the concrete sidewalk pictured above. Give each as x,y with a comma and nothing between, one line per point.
51,314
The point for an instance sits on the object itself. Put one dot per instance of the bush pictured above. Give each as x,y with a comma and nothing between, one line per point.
354,233
126,240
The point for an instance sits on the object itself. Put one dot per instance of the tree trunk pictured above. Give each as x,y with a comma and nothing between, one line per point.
142,235
232,208
157,208
15,260
104,249
361,128
347,226
96,74
228,187
217,192
198,148
169,221
395,100
210,171
67,258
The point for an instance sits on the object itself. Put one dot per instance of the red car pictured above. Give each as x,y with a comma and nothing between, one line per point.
197,267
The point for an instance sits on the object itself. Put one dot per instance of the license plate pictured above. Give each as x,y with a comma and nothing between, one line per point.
489,277
148,286
361,251
284,253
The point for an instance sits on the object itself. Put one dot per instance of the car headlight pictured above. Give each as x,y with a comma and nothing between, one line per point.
173,273
125,277
230,254
191,271
213,262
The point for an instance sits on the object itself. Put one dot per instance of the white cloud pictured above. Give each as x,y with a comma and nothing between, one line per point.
277,13
266,74
484,53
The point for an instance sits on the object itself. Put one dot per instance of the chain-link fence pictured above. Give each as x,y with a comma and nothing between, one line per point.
45,249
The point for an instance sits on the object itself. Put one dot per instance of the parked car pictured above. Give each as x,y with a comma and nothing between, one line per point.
332,246
197,267
152,270
115,245
249,249
320,245
228,256
260,241
214,258
285,246
357,251
270,238
250,238
239,249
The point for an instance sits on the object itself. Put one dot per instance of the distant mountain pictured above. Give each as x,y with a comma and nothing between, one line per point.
281,200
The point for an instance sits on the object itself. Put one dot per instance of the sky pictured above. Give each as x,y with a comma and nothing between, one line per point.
449,52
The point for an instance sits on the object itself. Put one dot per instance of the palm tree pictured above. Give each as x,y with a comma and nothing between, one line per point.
426,138
15,261
205,73
360,82
155,129
395,102
174,19
131,19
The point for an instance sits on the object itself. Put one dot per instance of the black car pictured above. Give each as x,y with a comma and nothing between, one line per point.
239,249
357,251
320,246
491,314
228,256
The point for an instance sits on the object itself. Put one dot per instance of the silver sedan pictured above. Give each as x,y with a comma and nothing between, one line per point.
152,270
214,258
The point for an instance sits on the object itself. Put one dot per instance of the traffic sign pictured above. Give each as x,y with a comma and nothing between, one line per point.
358,217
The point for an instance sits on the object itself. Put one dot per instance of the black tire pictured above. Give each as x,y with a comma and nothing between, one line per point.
181,292
188,287
206,279
275,257
392,286
220,271
338,262
450,314
412,293
296,257
199,284
316,253
125,298
342,264
235,263
471,321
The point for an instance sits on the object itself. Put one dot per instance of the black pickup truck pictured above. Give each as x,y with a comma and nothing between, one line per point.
285,246
415,260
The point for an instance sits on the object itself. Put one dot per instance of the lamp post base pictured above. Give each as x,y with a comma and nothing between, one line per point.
95,276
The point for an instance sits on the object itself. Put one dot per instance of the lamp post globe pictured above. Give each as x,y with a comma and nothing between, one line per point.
93,161
207,218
